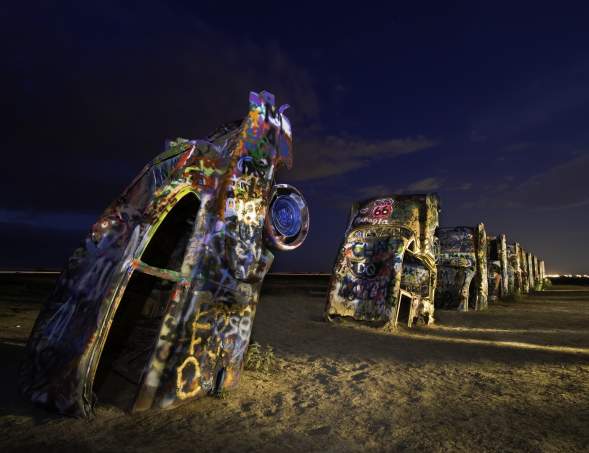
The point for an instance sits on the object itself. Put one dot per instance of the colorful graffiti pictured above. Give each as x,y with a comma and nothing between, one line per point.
493,269
524,271
531,276
462,268
502,252
388,252
514,269
223,214
538,272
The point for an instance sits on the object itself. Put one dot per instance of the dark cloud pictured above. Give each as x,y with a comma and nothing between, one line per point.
535,102
61,221
562,186
330,156
378,190
92,90
424,185
37,247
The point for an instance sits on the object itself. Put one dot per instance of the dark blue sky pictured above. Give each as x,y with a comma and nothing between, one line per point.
486,104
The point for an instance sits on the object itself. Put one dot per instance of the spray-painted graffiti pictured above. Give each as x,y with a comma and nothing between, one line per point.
388,251
531,276
542,272
523,262
202,218
462,268
498,267
514,269
502,252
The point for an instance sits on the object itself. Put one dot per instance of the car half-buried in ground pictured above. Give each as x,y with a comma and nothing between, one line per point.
385,271
462,268
157,305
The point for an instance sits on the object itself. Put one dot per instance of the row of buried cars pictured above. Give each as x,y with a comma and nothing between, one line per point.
396,265
157,304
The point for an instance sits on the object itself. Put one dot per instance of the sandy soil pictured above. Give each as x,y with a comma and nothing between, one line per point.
513,378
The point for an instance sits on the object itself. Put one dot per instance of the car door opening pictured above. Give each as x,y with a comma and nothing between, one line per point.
137,321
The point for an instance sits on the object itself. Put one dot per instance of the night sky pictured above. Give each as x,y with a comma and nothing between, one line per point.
487,105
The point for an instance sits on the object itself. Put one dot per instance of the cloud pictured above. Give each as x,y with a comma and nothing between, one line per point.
537,102
66,221
464,187
562,186
330,156
374,191
165,76
424,185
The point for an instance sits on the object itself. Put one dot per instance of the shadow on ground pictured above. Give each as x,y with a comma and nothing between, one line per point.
513,378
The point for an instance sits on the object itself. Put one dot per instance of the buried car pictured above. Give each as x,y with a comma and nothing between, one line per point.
462,268
157,305
497,267
514,269
523,263
385,271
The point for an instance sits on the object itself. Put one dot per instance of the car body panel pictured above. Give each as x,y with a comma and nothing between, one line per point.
371,272
462,268
206,320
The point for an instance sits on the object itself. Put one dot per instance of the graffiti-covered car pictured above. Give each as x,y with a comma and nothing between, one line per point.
523,263
462,268
531,276
542,271
514,269
385,271
497,267
157,305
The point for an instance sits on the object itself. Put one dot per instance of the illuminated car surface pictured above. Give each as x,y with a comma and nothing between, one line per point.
462,268
157,305
385,270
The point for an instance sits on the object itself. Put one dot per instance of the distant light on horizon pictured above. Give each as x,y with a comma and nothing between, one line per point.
568,275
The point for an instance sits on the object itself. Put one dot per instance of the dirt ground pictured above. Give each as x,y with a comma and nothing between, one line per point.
513,378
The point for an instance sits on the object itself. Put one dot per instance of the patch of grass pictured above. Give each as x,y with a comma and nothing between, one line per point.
260,358
222,394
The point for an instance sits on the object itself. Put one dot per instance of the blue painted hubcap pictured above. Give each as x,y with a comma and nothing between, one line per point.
286,216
